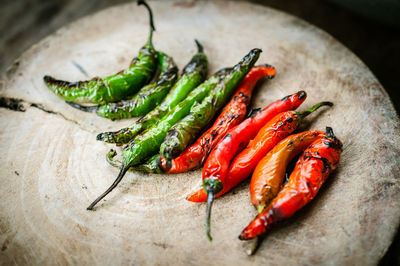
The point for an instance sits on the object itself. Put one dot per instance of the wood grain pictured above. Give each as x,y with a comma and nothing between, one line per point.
52,167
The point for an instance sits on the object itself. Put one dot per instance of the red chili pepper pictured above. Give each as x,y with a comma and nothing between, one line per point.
234,112
312,169
219,161
269,174
243,165
238,137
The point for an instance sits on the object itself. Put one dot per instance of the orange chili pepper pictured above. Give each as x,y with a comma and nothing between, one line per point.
233,113
269,173
317,162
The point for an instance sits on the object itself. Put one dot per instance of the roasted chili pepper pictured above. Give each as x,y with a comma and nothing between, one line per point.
238,137
233,113
244,163
115,87
317,162
150,166
185,131
269,174
193,74
148,143
145,100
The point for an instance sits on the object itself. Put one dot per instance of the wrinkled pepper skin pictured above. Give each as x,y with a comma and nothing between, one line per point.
185,131
148,143
192,76
115,87
234,112
238,137
317,162
269,174
148,97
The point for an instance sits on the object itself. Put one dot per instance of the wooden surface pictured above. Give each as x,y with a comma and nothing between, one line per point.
52,167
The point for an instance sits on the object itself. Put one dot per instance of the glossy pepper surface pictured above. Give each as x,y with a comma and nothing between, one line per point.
147,144
269,174
193,75
233,113
183,133
115,87
317,162
145,100
239,136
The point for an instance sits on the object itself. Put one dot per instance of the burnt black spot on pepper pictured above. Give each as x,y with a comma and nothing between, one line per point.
173,133
302,94
254,112
213,134
285,98
221,122
227,136
290,120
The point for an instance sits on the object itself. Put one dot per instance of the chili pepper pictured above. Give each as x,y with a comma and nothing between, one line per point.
150,166
185,131
244,163
317,162
148,143
193,74
269,174
238,137
115,87
233,113
145,100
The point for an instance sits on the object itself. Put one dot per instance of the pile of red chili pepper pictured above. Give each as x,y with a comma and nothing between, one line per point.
240,143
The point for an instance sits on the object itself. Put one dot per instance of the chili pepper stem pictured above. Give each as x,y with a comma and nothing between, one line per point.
152,28
312,109
89,109
210,200
200,48
121,174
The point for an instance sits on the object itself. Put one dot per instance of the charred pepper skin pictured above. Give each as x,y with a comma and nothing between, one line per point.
269,174
238,137
233,113
192,76
147,144
145,100
115,87
185,131
312,169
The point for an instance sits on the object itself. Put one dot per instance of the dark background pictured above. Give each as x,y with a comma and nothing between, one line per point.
370,30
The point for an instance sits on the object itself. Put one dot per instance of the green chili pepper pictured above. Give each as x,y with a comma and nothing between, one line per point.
192,75
185,131
115,87
145,100
148,143
150,166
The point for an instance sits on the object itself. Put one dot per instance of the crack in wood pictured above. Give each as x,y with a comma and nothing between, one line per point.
19,105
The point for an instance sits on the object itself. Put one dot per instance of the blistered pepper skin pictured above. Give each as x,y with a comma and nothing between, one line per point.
148,97
317,162
148,143
192,76
115,87
238,137
233,113
183,133
269,174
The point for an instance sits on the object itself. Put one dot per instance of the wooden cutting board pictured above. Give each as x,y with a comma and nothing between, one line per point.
52,167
